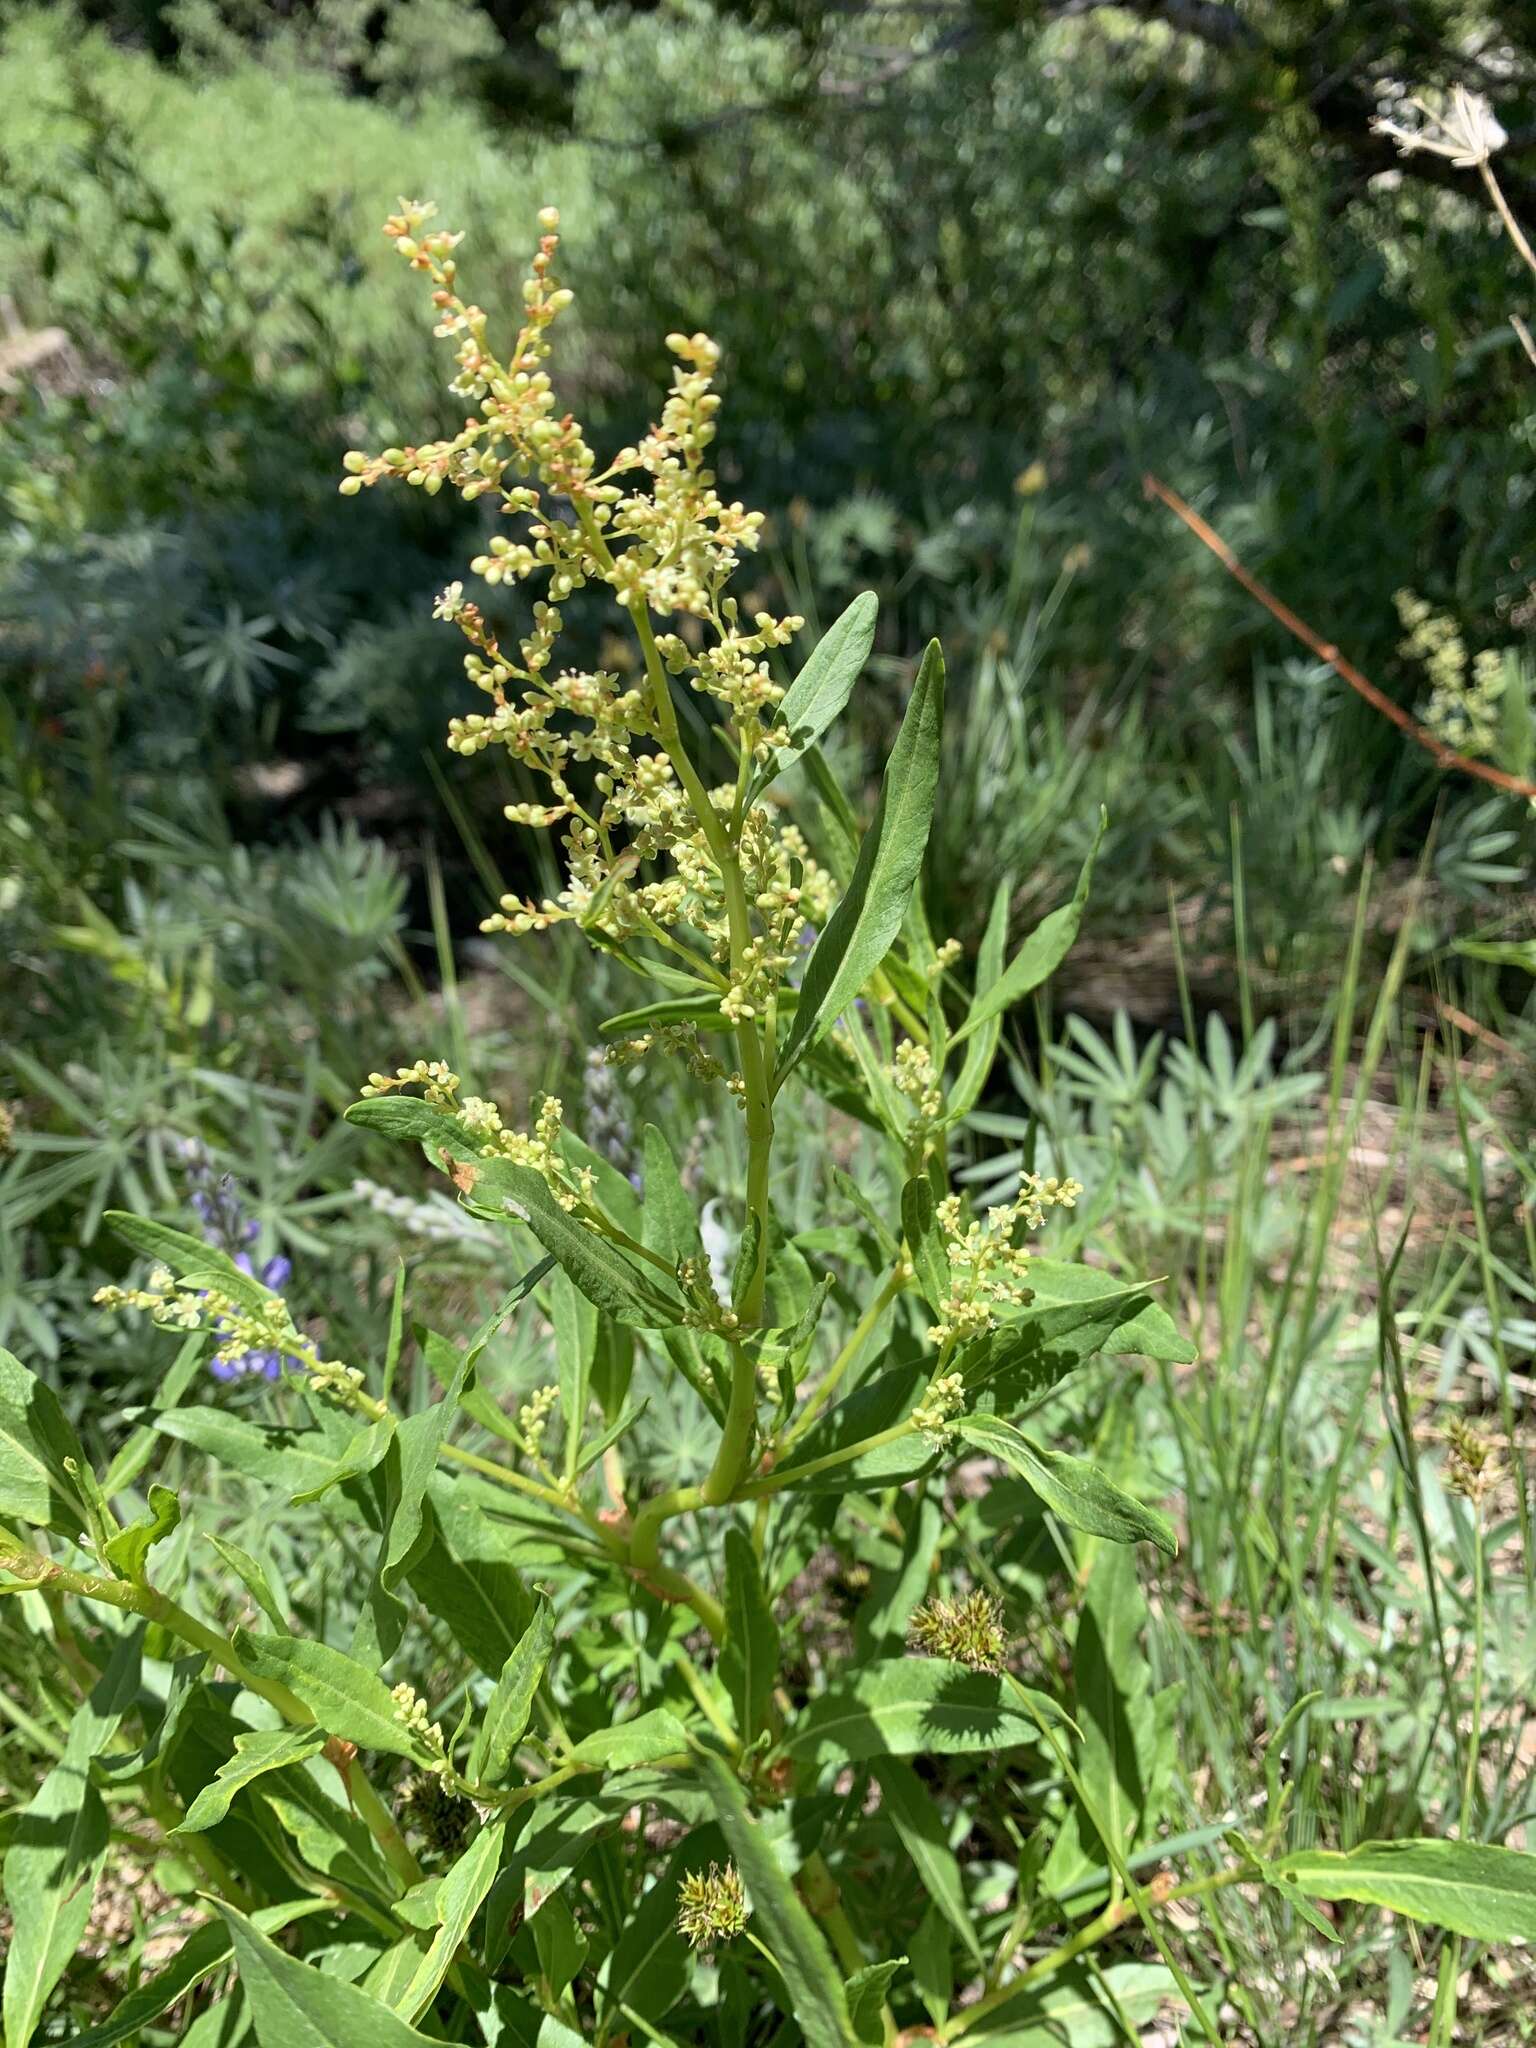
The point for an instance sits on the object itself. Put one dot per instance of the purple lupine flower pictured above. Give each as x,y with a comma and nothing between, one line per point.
215,1200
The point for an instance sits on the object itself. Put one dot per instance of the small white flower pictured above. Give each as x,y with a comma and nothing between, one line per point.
1465,131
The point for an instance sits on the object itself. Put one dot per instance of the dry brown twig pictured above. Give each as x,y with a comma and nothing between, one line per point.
1326,651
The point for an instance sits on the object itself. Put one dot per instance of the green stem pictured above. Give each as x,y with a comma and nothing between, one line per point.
645,1537
734,1455
833,1376
775,1482
43,1572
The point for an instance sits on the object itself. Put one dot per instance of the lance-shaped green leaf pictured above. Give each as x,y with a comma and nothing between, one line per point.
865,1992
56,1849
1039,956
294,2006
460,1895
780,1920
407,1116
910,1808
604,1274
252,1576
203,1952
650,1967
344,1697
643,1740
817,695
1475,1889
861,930
506,1715
35,1440
1149,1333
925,1240
256,1753
913,1706
364,1450
1078,1491
177,1249
964,1091
469,1575
276,1457
750,1658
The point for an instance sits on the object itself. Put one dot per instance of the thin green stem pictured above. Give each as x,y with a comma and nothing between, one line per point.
734,1455
775,1482
832,1378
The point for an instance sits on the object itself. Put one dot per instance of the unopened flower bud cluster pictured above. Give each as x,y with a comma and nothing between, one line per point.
988,1269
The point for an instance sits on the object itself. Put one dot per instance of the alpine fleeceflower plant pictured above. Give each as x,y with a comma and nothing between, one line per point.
599,1718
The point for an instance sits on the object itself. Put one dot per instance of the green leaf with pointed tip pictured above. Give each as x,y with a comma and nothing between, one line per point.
1087,2009
57,1849
127,1551
178,1249
604,1274
913,1706
407,1116
780,1921
632,1743
1078,1491
506,1715
460,1894
35,1440
964,1092
865,1992
344,1697
864,925
749,1662
925,1240
295,2006
254,1579
650,1967
1475,1889
203,1952
365,1449
1041,953
910,1808
1148,1333
256,1753
271,1456
817,695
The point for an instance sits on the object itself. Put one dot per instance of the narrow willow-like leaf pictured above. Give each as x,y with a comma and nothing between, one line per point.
56,1850
925,1241
913,1706
177,1249
1475,1889
294,2006
1078,1491
749,1662
860,931
817,695
35,1440
604,1274
407,1116
1041,953
344,1697
910,1808
506,1716
1087,2010
650,1967
254,1579
781,1921
963,1093
671,1214
271,1456
470,1574
364,1450
1149,1333
460,1894
203,1952
256,1753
